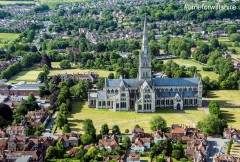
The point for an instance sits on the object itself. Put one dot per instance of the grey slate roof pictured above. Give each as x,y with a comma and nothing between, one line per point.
127,82
33,86
175,81
102,95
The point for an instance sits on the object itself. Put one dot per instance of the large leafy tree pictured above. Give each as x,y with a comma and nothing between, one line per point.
104,129
116,130
157,123
212,125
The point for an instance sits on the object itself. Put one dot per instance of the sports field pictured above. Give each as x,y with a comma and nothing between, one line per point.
127,120
212,75
229,101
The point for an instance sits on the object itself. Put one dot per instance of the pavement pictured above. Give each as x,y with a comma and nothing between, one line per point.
215,146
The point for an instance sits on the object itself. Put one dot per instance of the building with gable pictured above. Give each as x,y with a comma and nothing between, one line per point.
145,94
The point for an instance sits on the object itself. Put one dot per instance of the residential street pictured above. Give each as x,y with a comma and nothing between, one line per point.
215,146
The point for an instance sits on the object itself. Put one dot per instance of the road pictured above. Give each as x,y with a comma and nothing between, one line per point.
44,30
215,146
51,123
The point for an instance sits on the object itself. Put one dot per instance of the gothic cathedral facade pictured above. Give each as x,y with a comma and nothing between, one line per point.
145,94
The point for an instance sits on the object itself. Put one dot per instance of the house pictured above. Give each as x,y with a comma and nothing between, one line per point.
109,142
16,130
138,132
69,139
3,144
38,117
37,155
133,158
73,151
91,76
177,131
197,150
141,144
72,50
16,143
159,136
229,133
225,158
2,133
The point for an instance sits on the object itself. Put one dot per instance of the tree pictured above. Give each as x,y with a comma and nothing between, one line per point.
63,109
61,120
214,108
104,129
212,125
176,154
80,153
65,64
157,123
126,131
66,128
42,77
45,69
126,142
111,76
184,55
46,61
60,150
89,128
6,112
86,139
51,152
116,130
100,83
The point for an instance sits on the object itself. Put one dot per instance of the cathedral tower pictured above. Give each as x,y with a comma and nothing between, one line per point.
144,57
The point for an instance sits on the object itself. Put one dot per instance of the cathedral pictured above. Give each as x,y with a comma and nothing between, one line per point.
145,94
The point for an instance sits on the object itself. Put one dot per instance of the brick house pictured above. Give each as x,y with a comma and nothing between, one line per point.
16,130
16,143
133,158
197,150
141,144
92,77
109,142
69,139
231,133
38,117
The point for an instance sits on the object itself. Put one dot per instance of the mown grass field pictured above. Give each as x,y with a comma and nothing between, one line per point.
229,101
53,3
7,37
14,2
28,76
127,120
31,75
212,75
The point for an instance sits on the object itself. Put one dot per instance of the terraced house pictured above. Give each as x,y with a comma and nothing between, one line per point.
145,94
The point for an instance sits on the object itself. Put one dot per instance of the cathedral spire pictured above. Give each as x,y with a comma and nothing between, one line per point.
145,41
144,56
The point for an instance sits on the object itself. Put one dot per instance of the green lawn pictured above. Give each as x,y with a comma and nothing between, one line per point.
5,38
28,76
212,75
127,120
229,101
14,2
